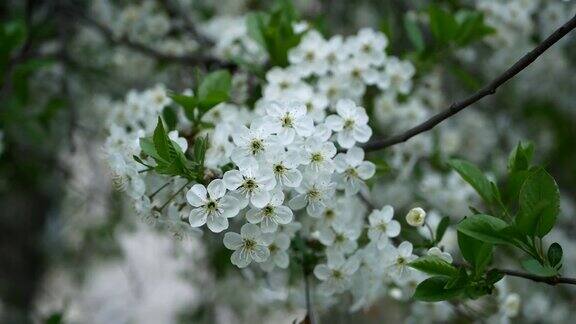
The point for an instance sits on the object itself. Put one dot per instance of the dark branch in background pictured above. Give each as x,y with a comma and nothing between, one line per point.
309,319
547,280
206,61
174,11
489,89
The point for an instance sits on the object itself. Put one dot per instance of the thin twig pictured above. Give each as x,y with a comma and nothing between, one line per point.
107,33
309,310
547,280
172,197
489,89
173,10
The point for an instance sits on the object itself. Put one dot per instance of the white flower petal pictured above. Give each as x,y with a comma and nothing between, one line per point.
197,195
233,241
260,253
283,215
216,189
233,179
197,217
217,223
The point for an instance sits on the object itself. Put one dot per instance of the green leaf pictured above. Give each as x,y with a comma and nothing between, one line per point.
539,201
188,103
442,227
519,159
434,265
534,267
139,160
471,174
471,27
147,146
484,228
458,281
214,89
161,141
255,24
200,147
476,252
555,254
493,276
414,33
170,117
432,290
442,23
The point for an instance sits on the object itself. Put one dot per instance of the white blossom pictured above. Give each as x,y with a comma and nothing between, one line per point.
382,226
248,246
211,206
351,123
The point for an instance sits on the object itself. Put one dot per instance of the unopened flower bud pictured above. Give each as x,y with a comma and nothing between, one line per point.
512,305
416,217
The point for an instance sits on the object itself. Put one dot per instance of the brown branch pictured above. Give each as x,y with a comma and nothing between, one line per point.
489,89
107,33
547,280
175,11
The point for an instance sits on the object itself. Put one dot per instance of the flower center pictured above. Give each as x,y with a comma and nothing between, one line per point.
314,194
400,261
317,157
283,85
337,274
349,124
351,173
329,214
339,238
279,169
249,244
211,206
273,248
287,120
268,211
356,73
256,146
382,227
366,48
309,56
250,184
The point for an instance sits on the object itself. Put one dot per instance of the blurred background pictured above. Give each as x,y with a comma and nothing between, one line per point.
72,247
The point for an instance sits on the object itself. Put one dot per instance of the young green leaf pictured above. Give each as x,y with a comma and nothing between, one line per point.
147,146
484,228
471,174
520,157
432,290
539,201
188,103
214,89
442,227
443,24
434,265
534,267
170,117
414,33
161,141
555,254
255,24
476,252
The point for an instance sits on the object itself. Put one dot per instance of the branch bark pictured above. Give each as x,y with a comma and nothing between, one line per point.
547,280
489,89
208,61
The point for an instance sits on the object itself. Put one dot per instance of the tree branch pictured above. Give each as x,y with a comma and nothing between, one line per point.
547,280
489,89
107,33
175,11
